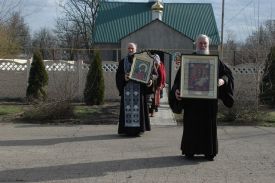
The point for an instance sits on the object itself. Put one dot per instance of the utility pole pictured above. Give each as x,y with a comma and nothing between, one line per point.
222,29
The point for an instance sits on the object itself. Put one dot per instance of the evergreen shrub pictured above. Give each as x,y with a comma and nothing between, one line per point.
38,79
94,87
267,86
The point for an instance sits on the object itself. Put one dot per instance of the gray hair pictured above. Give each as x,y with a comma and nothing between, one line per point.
134,45
157,58
207,39
203,36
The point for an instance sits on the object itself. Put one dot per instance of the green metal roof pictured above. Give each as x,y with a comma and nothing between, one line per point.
118,19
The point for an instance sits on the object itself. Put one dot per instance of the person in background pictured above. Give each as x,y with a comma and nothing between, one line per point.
133,116
155,96
163,78
200,115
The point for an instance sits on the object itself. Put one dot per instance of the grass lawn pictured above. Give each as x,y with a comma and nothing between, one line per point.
101,114
108,114
10,109
268,119
82,111
83,114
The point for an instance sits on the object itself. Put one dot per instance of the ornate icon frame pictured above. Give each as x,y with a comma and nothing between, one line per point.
199,76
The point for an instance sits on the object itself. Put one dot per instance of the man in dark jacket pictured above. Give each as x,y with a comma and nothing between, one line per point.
200,115
133,116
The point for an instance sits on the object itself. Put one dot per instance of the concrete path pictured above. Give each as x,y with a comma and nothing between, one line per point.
164,116
96,154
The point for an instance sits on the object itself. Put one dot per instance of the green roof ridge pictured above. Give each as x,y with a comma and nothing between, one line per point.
118,19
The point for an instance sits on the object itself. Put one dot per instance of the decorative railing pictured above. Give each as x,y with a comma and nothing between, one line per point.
12,66
247,69
14,76
110,67
60,67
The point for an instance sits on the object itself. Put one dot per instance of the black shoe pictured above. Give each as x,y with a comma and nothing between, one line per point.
156,110
210,157
189,156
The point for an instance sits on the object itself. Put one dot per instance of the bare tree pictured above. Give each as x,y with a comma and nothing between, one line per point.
253,53
7,7
8,48
14,32
81,14
260,50
46,42
230,48
270,29
19,32
15,36
69,39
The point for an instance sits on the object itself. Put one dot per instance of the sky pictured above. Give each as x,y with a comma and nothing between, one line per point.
241,17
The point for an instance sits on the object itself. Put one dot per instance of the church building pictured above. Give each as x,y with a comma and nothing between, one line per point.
154,25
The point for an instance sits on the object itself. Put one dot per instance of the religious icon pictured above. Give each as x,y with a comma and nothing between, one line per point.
199,76
141,67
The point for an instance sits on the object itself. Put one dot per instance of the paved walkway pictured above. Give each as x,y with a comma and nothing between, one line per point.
96,154
164,116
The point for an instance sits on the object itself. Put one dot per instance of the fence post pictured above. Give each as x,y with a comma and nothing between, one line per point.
234,59
117,55
79,79
28,69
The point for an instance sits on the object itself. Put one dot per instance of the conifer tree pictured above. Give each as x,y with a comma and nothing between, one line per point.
38,79
267,95
94,88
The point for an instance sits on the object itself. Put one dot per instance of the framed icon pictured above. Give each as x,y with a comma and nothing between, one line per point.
199,76
141,67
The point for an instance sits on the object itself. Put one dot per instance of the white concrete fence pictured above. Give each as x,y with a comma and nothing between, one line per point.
67,79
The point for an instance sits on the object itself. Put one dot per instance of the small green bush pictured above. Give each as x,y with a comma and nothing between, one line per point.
38,79
94,88
49,111
243,112
267,86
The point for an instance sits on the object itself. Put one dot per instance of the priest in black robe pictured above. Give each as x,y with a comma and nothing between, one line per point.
200,115
134,114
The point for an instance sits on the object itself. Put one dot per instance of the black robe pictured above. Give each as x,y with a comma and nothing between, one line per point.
144,121
200,115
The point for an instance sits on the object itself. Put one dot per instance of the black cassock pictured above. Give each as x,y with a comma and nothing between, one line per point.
133,116
200,115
